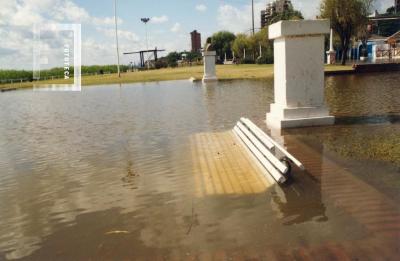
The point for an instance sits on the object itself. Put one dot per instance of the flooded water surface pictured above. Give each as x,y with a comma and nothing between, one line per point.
145,171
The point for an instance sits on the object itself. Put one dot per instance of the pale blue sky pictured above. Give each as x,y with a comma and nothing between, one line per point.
171,23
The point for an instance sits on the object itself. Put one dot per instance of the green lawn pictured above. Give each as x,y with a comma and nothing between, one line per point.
224,72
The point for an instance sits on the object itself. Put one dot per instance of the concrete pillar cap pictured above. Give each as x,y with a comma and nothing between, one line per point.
300,28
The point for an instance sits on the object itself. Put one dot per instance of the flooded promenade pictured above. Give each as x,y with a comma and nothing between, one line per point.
153,171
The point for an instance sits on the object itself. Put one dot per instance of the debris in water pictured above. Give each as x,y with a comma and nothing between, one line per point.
117,232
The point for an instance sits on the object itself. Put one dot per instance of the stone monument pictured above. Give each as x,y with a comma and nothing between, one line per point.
209,55
299,74
331,54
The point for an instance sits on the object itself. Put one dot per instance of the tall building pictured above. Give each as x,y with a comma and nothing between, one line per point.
196,41
397,5
276,7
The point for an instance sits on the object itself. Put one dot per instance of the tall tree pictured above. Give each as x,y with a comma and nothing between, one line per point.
288,14
252,44
222,42
240,43
347,18
172,59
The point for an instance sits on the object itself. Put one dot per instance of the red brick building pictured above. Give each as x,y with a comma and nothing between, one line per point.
196,41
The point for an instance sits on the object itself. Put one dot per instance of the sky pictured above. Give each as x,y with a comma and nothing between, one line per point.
169,28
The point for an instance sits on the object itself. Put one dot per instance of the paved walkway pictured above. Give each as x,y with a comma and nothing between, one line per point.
223,166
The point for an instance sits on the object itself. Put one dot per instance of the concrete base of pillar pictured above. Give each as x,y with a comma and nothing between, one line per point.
298,117
209,66
210,79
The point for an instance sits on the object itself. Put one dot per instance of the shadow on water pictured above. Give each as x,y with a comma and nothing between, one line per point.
369,119
301,200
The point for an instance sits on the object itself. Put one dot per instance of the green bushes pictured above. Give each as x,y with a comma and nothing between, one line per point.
254,44
7,76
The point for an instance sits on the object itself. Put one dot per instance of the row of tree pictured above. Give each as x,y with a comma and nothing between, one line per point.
244,48
27,75
349,20
255,48
173,58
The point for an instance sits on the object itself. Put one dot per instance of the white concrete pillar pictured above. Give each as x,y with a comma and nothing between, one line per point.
331,54
209,66
299,74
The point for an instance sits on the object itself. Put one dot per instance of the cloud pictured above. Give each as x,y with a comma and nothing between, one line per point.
201,7
122,34
16,36
238,19
383,5
7,51
110,21
159,19
310,8
27,13
176,28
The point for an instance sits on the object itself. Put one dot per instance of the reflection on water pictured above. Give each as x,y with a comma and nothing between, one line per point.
364,95
139,160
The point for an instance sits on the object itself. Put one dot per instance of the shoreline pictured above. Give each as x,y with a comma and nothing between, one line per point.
224,72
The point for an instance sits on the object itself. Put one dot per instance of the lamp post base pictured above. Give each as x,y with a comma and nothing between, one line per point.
331,57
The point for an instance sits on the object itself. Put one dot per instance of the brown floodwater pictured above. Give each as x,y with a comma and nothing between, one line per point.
119,172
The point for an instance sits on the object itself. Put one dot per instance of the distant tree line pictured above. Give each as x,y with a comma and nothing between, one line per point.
27,75
245,48
173,58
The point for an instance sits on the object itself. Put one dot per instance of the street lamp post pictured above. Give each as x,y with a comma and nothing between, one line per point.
145,21
252,14
116,35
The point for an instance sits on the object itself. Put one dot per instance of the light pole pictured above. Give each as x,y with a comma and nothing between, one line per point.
145,21
252,14
116,35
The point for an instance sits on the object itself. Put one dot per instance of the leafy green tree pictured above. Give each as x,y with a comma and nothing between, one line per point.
391,10
222,42
57,72
289,14
193,56
172,59
240,43
347,18
267,47
252,45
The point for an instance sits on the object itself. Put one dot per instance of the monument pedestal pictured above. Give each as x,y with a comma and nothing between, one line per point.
209,66
299,74
281,117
